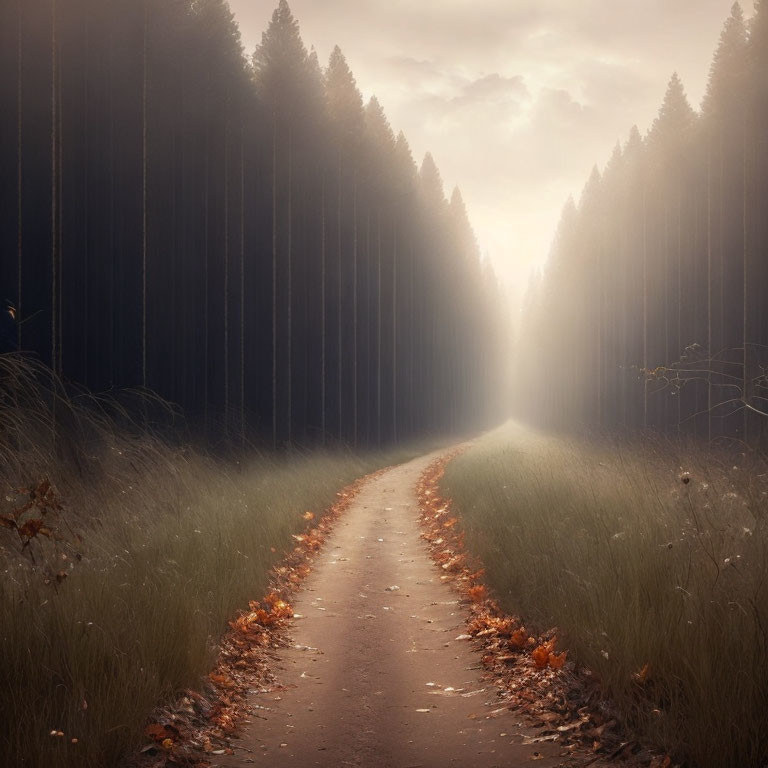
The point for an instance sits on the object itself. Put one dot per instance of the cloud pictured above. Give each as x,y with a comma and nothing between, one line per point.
493,88
516,100
491,99
419,72
556,108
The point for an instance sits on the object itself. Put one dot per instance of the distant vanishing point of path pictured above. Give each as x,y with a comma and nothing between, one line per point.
375,675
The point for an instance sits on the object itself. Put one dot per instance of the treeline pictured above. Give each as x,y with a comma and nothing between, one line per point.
653,309
240,234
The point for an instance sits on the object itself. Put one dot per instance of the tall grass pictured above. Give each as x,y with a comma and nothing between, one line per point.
638,555
158,546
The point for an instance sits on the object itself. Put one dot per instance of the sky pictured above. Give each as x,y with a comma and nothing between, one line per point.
515,99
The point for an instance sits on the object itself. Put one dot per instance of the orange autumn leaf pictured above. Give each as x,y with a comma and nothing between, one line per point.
225,722
308,516
220,679
156,732
506,625
33,528
557,660
281,610
540,655
246,623
494,625
642,676
7,522
477,593
519,638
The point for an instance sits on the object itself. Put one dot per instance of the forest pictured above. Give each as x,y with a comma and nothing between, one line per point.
234,231
288,478
650,314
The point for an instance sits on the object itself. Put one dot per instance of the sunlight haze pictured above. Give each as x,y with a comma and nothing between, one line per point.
516,100
383,384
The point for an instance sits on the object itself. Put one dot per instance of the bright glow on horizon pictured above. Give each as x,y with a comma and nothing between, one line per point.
515,100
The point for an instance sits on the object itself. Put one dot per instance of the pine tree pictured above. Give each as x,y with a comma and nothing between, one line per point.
282,75
664,265
237,234
345,109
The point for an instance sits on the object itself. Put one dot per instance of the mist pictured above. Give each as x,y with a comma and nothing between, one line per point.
515,101
653,296
238,232
323,443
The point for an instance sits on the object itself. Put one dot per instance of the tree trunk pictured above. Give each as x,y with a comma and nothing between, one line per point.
54,191
354,311
338,309
290,289
206,248
378,331
709,287
323,257
274,279
226,270
745,274
242,289
144,203
19,174
394,335
645,306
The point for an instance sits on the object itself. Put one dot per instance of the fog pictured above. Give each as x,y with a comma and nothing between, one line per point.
516,100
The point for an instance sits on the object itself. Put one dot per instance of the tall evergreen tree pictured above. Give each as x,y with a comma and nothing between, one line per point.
240,235
676,230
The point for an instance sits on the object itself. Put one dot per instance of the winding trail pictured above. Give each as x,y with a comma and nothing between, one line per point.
376,676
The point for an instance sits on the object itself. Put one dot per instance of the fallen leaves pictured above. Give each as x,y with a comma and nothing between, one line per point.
557,660
34,516
533,678
505,635
477,593
540,656
270,613
33,528
202,724
28,519
544,656
158,732
641,677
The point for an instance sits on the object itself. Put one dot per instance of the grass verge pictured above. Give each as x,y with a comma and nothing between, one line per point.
652,562
120,607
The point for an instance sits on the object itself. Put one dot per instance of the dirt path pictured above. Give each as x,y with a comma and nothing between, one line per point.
376,675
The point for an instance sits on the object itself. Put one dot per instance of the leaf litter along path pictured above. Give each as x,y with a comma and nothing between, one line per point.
375,674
